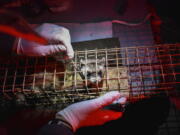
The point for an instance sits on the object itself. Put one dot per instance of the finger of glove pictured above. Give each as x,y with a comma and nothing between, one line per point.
65,38
70,52
106,99
55,48
94,104
33,49
121,100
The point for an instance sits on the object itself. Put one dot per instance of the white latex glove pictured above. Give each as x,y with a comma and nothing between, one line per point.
51,32
90,112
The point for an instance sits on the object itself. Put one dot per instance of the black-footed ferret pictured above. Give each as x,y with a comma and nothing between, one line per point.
92,72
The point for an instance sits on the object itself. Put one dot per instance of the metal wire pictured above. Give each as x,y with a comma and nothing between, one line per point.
138,72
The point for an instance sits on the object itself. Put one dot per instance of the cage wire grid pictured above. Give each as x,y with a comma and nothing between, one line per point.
137,72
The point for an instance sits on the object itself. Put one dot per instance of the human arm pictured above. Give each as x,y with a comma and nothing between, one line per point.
53,33
32,42
85,113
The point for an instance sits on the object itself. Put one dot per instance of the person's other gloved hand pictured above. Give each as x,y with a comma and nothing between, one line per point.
51,32
91,112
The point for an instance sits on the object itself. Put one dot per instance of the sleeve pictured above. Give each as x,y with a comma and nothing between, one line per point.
56,127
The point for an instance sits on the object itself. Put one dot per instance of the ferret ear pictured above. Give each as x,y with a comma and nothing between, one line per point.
102,61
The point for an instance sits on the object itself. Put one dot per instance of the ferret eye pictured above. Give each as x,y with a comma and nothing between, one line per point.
88,73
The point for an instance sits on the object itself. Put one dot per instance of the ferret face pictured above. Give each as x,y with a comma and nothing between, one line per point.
92,70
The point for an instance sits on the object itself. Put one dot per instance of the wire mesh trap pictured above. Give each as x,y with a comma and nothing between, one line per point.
138,72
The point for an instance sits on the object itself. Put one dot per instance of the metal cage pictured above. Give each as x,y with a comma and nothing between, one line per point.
137,72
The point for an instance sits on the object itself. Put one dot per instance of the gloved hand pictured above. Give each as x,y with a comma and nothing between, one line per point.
50,32
91,112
